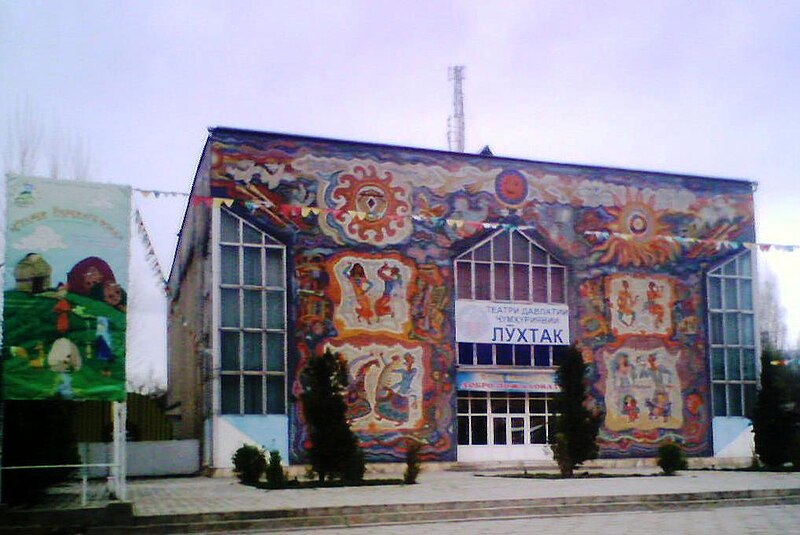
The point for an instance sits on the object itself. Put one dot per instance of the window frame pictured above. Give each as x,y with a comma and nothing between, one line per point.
732,336
468,412
231,369
537,257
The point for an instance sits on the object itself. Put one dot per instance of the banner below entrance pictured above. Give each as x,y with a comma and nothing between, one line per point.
484,381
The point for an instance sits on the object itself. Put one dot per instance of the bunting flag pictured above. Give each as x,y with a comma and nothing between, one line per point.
150,253
297,211
158,193
683,240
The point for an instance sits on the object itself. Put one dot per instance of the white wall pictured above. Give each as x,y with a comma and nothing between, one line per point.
148,458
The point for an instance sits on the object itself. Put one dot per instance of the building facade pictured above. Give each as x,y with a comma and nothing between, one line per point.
451,283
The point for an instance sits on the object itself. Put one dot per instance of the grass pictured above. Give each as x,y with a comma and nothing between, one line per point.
781,469
576,475
314,484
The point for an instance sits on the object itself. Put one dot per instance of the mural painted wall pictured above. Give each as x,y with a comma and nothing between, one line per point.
64,291
372,233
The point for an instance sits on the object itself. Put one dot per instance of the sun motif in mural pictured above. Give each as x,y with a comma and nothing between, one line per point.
511,187
369,208
638,236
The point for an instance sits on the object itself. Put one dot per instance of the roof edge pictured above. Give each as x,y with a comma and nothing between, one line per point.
213,130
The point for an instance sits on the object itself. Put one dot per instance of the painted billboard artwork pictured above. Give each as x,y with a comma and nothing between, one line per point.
65,299
373,232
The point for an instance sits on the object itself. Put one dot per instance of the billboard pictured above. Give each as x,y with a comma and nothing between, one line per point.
65,299
488,322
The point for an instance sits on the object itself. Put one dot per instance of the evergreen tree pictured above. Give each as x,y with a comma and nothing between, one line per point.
575,439
772,422
334,449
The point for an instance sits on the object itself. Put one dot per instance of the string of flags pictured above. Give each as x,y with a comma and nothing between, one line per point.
290,210
681,240
149,251
295,211
159,193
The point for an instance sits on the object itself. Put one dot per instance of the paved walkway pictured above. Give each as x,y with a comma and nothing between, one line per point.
171,496
779,519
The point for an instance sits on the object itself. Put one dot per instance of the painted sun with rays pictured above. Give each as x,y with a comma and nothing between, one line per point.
638,236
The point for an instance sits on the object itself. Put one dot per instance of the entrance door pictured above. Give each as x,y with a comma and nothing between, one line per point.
504,426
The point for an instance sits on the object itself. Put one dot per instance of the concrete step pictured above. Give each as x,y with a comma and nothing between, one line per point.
397,514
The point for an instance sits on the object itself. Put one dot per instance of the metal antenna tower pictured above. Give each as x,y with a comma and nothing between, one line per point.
455,123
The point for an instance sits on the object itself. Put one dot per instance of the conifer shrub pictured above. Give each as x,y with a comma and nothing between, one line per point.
249,464
333,450
575,439
413,463
671,458
276,475
772,421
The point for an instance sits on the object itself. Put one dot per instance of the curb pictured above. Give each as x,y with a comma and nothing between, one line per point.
416,513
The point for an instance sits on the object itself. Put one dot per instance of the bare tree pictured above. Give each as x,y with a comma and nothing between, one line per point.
80,159
66,157
771,313
55,156
23,144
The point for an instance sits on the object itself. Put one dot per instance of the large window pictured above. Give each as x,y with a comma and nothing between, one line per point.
252,319
504,418
732,337
508,266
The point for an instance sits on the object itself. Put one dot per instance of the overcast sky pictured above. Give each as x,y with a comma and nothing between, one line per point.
709,88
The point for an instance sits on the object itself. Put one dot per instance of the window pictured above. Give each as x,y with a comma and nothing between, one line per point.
504,418
732,337
252,300
508,266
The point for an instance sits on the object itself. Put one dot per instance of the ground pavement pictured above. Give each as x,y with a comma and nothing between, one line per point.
755,503
171,496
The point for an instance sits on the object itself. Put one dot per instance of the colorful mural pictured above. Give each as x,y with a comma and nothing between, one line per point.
373,231
64,318
642,388
640,304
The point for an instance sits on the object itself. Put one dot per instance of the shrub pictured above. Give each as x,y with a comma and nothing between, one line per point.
413,463
334,449
772,422
671,458
575,440
353,467
276,475
249,464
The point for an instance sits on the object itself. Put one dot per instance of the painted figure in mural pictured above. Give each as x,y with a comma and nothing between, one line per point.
114,295
393,402
695,416
102,340
642,370
658,373
391,279
659,406
625,303
358,406
630,408
624,370
361,285
428,303
62,309
654,293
